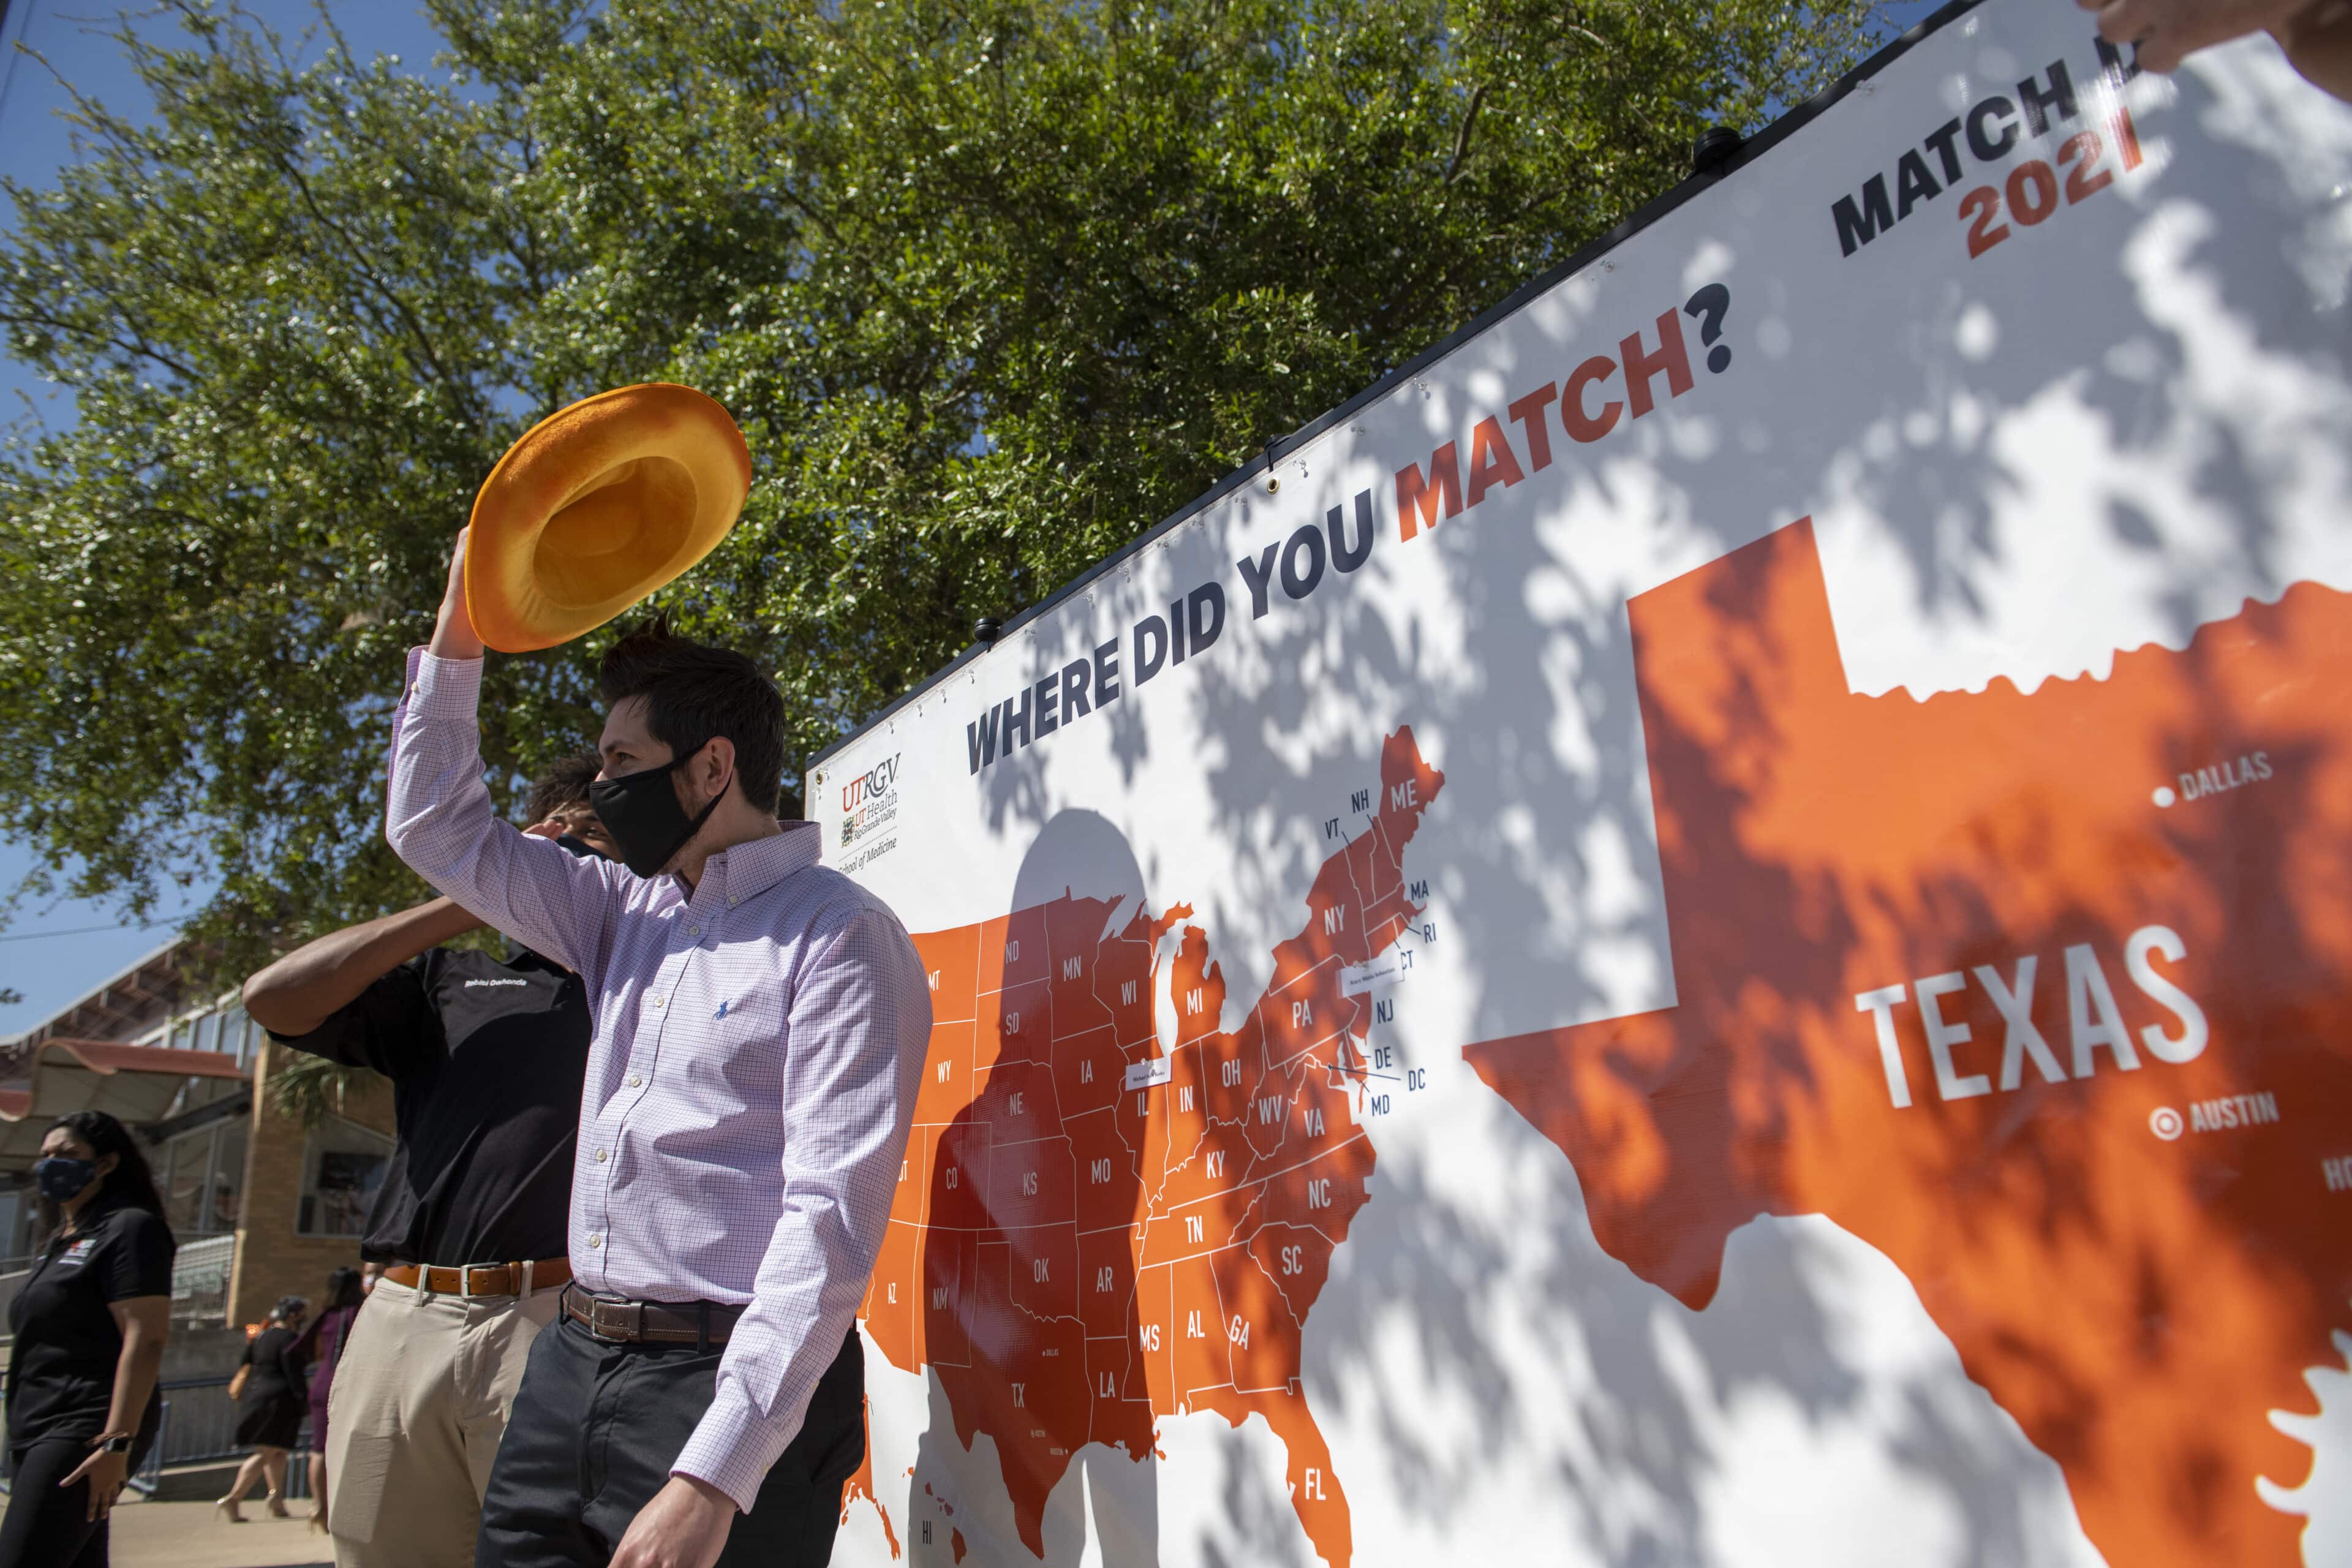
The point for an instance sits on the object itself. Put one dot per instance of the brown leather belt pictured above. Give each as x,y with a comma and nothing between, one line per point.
483,1279
703,1323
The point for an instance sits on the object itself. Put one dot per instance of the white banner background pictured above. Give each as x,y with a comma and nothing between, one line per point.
2111,429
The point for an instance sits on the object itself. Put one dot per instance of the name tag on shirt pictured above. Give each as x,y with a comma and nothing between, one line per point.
79,1253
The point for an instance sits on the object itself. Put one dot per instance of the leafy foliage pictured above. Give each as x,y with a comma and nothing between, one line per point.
992,286
308,1090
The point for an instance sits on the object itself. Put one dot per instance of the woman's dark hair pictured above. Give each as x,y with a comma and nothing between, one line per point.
693,693
343,1289
131,1184
287,1306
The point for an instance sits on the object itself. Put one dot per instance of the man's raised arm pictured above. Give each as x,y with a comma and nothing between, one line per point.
2316,35
320,978
437,814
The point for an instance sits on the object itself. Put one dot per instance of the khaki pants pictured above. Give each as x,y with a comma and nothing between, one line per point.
419,1402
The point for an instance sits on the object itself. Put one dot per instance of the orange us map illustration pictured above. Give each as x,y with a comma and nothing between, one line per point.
2047,996
1092,1234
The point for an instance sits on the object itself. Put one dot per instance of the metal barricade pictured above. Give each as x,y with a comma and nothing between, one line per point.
198,1426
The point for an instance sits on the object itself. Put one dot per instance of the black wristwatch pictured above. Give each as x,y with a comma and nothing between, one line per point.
118,1444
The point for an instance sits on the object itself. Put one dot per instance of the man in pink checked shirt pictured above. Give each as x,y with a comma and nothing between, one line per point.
760,1027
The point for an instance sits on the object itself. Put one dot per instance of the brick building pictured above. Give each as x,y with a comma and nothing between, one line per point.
262,1206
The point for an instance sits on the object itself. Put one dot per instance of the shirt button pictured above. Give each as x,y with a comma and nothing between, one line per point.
634,1081
694,930
600,1156
595,1241
654,1001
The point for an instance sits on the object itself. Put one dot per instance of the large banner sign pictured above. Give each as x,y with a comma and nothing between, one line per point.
1714,928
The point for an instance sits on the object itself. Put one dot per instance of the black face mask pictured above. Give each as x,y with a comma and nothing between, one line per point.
62,1177
640,810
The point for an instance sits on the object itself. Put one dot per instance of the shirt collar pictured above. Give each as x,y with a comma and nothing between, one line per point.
745,871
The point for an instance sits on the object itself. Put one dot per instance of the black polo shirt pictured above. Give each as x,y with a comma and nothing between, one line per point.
61,1367
486,1060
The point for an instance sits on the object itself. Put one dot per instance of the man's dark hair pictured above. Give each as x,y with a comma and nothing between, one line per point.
563,787
695,692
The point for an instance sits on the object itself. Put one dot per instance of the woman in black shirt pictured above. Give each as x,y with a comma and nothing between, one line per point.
272,1382
89,1323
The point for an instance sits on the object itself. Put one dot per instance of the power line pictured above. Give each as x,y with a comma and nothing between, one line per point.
9,79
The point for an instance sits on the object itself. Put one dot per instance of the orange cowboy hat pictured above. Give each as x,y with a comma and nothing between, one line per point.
598,505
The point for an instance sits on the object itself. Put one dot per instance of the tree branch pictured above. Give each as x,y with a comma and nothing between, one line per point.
139,350
1462,140
358,260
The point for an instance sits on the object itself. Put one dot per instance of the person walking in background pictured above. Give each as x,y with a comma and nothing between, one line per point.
485,1055
329,1334
269,1381
89,1323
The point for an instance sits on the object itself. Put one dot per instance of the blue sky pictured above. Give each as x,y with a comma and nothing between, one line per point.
56,950
47,950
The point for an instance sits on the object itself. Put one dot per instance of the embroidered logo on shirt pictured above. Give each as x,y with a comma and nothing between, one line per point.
471,983
722,1011
79,1251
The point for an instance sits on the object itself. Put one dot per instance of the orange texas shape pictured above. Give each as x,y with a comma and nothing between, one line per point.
1954,974
1073,1256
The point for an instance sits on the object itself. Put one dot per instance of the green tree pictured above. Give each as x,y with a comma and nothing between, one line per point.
991,285
309,1089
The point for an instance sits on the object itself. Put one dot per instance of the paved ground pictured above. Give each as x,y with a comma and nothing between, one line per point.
190,1535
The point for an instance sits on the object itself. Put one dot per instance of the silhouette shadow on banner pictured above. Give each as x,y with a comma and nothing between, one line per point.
1120,1222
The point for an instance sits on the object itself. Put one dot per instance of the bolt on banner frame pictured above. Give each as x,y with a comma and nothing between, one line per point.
1706,926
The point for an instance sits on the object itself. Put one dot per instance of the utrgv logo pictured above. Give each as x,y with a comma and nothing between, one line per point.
870,785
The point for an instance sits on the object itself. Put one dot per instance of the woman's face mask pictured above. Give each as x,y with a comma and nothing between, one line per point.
63,1177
